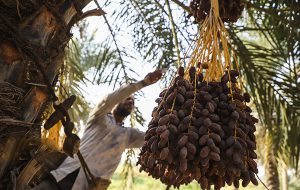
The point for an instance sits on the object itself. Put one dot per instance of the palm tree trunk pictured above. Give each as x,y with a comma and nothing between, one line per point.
33,37
284,177
272,170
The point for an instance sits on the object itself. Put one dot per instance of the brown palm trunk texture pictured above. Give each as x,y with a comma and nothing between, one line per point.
33,37
272,170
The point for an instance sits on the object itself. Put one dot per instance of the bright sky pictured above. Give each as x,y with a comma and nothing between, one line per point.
94,93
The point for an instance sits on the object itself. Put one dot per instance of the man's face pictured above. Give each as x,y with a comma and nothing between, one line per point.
125,107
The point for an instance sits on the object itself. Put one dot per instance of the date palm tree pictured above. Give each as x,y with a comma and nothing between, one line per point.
266,40
34,35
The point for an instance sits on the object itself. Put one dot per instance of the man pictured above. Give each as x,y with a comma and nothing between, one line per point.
104,139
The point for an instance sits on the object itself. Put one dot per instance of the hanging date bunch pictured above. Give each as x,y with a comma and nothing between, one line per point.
229,10
202,128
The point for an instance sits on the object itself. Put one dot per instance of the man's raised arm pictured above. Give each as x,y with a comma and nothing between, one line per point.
106,105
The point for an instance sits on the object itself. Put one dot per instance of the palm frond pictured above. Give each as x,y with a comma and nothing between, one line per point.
273,88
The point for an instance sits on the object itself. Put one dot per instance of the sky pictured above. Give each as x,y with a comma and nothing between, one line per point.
94,93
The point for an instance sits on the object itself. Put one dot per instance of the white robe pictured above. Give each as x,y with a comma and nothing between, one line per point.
103,141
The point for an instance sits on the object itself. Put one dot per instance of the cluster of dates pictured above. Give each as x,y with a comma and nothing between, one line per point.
229,10
201,131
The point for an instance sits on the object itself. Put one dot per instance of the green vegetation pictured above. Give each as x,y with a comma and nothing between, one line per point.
141,181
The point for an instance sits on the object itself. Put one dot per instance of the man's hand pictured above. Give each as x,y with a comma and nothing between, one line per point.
153,77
